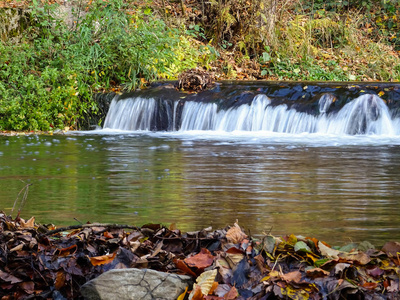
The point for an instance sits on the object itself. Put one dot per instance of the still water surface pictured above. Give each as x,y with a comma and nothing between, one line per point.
337,190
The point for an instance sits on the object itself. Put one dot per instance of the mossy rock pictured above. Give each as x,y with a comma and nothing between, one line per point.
13,23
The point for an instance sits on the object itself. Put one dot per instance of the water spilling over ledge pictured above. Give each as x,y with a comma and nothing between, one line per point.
327,108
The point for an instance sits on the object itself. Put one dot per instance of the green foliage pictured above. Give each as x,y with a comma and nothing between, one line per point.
48,80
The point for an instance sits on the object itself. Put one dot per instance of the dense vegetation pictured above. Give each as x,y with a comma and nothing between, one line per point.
47,80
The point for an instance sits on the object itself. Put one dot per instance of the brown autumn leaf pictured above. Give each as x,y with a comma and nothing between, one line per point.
206,281
9,278
391,249
370,285
60,280
28,224
359,257
196,294
213,287
235,234
201,260
28,287
317,272
232,294
181,265
294,276
66,251
102,260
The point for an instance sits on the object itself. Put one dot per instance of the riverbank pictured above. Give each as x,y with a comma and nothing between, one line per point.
44,261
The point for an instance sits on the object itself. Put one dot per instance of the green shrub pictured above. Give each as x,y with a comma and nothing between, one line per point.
48,80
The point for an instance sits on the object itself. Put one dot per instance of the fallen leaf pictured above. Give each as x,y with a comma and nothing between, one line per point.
391,249
294,276
108,235
182,296
301,246
28,287
370,285
327,251
102,260
232,294
205,281
269,243
181,265
66,251
9,278
28,224
317,272
196,293
340,267
234,259
235,235
60,280
201,260
375,272
359,257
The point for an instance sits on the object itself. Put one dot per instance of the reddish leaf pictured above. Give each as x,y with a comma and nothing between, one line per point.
370,285
201,260
180,264
234,250
108,235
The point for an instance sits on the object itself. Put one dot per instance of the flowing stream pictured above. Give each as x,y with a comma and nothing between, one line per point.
332,174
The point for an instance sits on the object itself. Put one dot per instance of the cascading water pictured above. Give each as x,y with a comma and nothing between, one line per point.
367,114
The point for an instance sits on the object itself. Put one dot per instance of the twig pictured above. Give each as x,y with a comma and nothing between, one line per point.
26,189
112,226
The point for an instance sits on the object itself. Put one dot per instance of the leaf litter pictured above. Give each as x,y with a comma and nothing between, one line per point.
43,262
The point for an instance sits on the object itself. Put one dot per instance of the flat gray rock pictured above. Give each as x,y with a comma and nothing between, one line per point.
135,284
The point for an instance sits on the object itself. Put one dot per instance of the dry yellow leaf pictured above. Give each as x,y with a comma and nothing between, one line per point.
205,281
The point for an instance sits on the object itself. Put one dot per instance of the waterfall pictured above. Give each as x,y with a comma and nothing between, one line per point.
367,114
130,114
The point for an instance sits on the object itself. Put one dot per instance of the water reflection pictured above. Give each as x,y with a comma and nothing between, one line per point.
334,193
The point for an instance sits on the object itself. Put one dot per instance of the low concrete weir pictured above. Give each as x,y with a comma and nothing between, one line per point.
331,108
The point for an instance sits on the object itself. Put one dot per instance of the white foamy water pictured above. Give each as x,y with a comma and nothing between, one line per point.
365,120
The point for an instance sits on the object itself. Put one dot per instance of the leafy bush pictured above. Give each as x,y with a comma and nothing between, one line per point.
48,80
